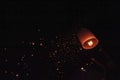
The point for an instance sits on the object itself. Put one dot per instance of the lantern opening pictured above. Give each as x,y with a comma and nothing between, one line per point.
90,43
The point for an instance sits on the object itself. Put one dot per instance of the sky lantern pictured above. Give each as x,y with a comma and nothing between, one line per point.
87,39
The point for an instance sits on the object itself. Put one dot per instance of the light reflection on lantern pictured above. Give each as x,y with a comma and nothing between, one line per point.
87,39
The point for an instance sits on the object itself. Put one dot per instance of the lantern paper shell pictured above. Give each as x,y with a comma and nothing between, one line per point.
87,39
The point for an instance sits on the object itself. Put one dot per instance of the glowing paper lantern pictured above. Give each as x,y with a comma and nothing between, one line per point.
87,39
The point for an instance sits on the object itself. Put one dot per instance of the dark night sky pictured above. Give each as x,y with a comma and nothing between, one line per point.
20,20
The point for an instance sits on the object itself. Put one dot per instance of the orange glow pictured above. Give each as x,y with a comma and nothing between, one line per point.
87,39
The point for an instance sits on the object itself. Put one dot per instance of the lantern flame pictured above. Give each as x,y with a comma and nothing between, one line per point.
90,43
